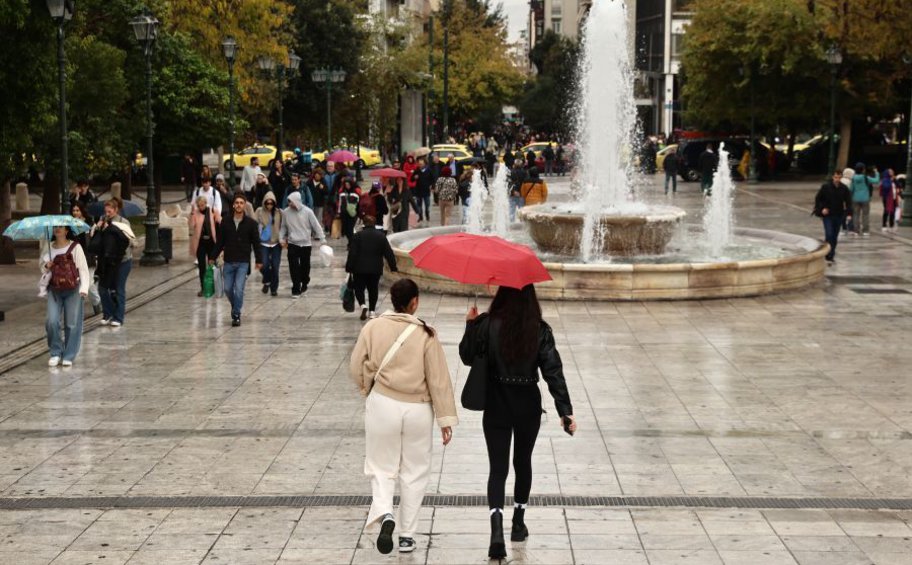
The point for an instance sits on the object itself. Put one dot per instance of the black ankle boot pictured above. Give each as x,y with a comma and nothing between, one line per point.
520,532
498,549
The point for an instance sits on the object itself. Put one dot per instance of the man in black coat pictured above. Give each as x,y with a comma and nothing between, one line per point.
424,180
239,237
670,166
369,247
833,204
708,162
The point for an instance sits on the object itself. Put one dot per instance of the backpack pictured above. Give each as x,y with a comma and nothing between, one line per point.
351,206
64,274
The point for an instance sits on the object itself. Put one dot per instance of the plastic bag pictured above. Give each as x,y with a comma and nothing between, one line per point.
218,282
209,282
326,255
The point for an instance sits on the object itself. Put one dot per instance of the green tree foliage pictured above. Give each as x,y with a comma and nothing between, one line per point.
548,96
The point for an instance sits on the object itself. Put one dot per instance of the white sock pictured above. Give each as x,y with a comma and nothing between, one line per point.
493,510
518,505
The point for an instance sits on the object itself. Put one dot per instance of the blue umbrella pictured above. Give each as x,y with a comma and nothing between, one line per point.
130,209
42,227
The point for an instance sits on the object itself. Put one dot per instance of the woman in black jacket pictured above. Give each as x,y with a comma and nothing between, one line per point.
369,247
516,343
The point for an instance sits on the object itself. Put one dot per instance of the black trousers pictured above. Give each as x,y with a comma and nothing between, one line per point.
369,282
202,257
299,267
498,435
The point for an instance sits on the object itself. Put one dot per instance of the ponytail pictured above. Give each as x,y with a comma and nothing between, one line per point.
401,293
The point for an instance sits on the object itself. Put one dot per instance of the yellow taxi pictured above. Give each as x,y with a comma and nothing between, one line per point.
538,146
369,157
661,155
450,147
265,154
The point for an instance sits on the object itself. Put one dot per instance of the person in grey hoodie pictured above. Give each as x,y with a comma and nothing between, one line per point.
299,228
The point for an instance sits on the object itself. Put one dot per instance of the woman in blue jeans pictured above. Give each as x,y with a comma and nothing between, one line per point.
112,241
65,304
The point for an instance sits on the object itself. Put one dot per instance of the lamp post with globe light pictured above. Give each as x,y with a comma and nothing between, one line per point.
229,49
834,58
145,28
268,65
62,12
324,79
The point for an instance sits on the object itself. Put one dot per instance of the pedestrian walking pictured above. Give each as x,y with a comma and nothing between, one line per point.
399,364
888,196
79,212
221,187
66,270
111,240
518,176
299,230
299,187
516,343
260,189
373,204
318,195
421,193
210,193
249,178
534,190
369,248
560,164
269,223
548,156
670,166
464,190
447,191
204,222
833,204
861,201
189,175
399,198
279,179
708,161
238,238
82,194
348,200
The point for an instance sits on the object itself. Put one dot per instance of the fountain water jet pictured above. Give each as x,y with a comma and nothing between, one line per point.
717,220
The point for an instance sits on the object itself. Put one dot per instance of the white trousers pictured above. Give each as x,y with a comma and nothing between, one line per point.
398,450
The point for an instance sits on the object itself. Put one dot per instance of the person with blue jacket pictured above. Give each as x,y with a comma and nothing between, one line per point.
861,200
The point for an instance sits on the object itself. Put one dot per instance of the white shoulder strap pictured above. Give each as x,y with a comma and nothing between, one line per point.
395,347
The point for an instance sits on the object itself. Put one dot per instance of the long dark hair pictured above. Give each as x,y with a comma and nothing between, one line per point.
401,293
520,315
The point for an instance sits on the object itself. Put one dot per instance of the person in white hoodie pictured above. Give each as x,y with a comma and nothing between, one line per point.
300,228
65,302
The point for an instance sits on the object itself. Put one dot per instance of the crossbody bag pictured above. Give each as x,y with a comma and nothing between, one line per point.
394,348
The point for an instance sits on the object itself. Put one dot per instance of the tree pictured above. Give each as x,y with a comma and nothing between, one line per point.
548,97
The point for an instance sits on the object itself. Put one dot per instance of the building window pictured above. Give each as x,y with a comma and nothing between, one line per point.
556,10
556,26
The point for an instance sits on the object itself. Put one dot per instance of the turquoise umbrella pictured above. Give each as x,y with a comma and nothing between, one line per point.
42,227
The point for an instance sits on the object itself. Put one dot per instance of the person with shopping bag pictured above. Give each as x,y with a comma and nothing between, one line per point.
399,364
203,220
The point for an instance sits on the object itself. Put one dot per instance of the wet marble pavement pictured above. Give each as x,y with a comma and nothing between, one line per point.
801,395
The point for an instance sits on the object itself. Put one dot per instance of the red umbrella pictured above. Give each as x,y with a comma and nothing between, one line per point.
342,156
388,173
480,259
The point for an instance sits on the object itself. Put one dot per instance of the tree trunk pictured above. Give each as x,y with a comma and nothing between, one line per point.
7,251
845,140
790,155
126,188
50,200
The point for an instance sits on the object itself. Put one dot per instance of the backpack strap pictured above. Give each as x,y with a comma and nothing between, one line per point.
395,347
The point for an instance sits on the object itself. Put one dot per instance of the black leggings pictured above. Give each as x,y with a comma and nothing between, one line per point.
368,282
498,435
202,258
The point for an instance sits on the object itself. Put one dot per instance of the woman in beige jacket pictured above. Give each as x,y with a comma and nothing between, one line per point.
399,365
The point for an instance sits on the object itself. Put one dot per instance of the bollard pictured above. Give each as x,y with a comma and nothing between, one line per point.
22,197
116,190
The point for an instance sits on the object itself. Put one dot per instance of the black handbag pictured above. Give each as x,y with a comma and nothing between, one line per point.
474,392
348,295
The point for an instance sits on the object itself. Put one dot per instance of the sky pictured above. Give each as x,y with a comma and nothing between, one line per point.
517,12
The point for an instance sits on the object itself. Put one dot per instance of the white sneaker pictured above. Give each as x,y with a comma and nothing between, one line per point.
105,321
53,361
885,229
67,363
372,315
115,324
866,234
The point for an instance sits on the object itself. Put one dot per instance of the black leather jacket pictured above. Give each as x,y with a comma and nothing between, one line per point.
482,337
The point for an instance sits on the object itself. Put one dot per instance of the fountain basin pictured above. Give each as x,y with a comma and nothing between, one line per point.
623,235
805,265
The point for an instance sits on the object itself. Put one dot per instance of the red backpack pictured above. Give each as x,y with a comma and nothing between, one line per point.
64,274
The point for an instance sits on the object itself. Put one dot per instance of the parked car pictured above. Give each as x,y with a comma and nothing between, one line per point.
265,153
369,157
689,151
660,156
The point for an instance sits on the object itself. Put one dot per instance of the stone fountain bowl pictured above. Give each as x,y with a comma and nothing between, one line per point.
623,235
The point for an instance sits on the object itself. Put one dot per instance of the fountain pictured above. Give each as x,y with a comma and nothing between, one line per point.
610,244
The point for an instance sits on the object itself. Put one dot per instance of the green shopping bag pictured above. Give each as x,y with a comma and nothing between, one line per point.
209,282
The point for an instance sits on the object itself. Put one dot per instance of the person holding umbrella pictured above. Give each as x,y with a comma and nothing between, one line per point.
68,286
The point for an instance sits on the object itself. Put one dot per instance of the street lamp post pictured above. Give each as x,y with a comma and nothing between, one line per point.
834,58
229,49
446,70
145,27
62,12
268,64
324,79
907,192
752,166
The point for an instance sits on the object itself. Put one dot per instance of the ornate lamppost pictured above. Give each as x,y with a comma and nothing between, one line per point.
834,58
907,192
324,79
62,12
268,64
145,27
229,49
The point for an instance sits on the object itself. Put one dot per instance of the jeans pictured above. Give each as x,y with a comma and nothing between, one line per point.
423,207
235,278
114,300
861,216
65,305
272,258
299,267
369,282
831,225
706,184
516,202
888,215
674,182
